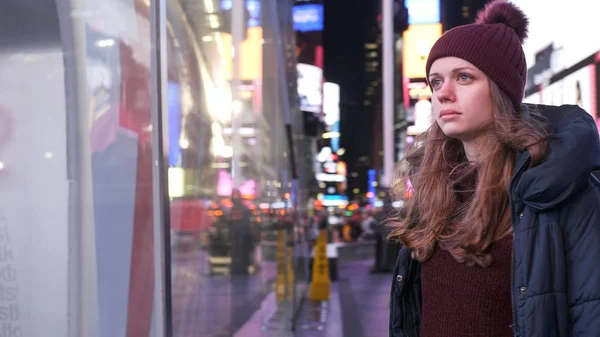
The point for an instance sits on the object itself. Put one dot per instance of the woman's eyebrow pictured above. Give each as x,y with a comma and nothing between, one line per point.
454,71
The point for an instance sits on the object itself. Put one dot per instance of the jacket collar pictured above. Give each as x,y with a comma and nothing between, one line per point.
573,154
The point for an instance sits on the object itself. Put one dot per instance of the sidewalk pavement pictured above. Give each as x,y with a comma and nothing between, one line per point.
358,307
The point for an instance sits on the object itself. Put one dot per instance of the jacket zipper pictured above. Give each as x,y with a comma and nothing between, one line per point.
515,325
407,277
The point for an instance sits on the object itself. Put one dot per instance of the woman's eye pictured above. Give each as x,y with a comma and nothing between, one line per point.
436,83
465,77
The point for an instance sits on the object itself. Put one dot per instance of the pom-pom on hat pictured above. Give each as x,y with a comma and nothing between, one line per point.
493,44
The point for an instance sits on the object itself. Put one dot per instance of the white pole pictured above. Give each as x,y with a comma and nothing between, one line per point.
160,186
388,92
237,36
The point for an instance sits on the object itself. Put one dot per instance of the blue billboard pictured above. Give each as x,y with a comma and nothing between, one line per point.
308,17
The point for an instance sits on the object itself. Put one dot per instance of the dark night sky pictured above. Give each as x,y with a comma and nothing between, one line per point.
343,41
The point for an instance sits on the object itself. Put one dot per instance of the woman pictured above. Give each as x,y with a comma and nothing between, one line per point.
502,234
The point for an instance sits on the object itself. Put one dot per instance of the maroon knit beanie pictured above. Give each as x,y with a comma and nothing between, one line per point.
493,44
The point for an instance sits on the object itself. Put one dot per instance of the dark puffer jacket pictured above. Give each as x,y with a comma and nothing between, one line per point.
556,248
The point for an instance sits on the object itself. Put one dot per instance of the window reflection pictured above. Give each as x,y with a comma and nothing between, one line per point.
229,175
76,165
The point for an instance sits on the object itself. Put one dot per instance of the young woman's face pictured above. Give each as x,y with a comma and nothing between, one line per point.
462,105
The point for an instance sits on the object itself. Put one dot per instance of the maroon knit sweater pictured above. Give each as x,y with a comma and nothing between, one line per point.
462,301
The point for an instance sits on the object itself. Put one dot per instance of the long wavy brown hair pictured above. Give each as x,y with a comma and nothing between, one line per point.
461,206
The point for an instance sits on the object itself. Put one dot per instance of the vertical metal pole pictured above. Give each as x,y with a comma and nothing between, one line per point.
162,253
237,36
83,302
388,92
287,123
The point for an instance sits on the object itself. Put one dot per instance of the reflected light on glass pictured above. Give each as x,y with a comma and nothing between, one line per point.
246,94
216,129
184,143
48,155
187,99
219,104
214,21
236,107
207,38
105,43
243,131
219,149
220,45
1,165
176,180
208,6
224,151
226,4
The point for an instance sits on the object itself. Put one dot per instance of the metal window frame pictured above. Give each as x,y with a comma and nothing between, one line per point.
161,217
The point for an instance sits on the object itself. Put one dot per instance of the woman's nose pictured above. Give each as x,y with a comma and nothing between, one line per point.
445,92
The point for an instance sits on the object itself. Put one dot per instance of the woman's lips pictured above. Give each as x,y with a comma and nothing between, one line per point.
449,114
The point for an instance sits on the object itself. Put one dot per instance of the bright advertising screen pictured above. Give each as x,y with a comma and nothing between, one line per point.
310,91
423,11
308,17
577,88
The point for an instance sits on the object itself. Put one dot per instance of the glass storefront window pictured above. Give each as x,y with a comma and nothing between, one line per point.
81,167
230,174
76,181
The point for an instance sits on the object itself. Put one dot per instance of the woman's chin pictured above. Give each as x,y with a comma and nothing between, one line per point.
453,132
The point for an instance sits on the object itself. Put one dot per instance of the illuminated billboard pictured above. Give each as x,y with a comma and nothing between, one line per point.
308,17
310,91
331,174
417,42
331,103
578,88
423,117
331,109
423,11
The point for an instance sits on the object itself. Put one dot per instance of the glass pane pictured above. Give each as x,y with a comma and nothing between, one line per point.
34,189
76,221
230,177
